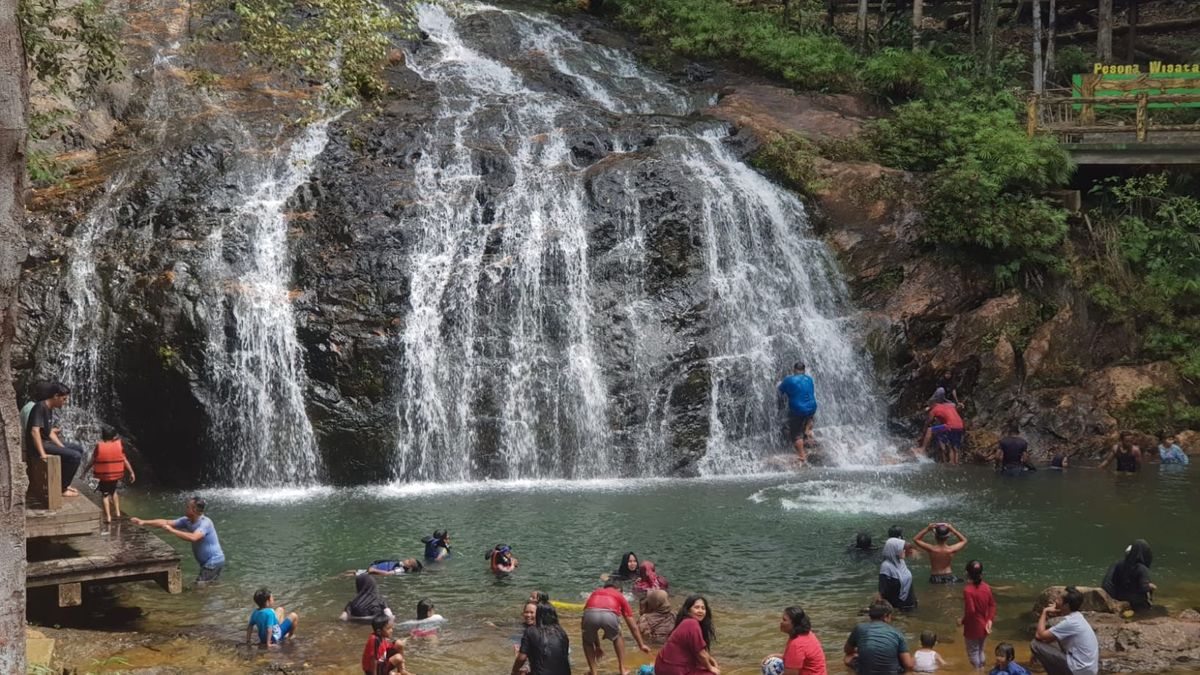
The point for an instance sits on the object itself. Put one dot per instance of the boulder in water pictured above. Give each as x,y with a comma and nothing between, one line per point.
1094,600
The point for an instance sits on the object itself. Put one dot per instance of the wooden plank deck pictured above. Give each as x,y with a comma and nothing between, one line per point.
127,553
77,515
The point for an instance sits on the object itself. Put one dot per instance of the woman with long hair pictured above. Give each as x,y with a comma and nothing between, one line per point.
545,646
803,655
687,650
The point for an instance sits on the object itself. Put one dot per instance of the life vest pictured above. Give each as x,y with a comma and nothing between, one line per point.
110,460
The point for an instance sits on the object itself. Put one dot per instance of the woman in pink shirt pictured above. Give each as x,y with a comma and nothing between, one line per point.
686,651
979,609
804,654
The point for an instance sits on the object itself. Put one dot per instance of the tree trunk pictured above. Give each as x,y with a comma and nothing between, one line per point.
1131,39
14,96
787,13
830,11
1038,73
973,22
862,25
1104,52
882,22
989,35
918,18
1051,23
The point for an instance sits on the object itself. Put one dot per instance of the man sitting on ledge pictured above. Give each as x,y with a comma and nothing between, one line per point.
41,435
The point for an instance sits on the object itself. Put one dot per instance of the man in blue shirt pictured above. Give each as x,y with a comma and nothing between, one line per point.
802,405
195,527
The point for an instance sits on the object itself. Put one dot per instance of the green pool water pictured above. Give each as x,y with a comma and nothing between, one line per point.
752,546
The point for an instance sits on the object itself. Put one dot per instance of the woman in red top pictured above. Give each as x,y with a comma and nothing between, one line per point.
979,609
804,654
686,651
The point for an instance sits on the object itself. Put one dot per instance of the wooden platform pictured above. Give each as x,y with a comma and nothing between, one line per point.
126,553
77,515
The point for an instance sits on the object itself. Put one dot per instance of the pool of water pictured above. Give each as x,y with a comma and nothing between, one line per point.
752,545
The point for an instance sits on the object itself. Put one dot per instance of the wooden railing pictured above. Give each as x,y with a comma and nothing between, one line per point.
1070,115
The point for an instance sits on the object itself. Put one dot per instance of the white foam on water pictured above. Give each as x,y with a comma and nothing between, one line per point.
264,495
846,497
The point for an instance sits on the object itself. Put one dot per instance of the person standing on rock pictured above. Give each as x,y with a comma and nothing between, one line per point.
41,435
802,406
197,528
945,425
1069,647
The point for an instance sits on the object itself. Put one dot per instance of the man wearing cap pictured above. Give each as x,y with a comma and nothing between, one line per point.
197,528
802,405
941,553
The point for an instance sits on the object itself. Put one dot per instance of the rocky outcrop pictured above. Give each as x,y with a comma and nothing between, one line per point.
1150,645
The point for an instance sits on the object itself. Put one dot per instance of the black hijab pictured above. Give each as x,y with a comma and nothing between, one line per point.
368,602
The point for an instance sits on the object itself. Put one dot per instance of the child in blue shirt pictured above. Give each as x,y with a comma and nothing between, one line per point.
1006,661
1170,453
273,625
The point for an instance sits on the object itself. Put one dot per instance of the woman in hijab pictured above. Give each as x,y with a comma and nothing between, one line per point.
895,579
627,570
1129,579
368,603
648,580
657,620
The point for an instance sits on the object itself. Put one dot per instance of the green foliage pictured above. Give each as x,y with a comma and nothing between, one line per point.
1148,268
71,50
338,44
1154,411
984,196
791,159
902,75
717,28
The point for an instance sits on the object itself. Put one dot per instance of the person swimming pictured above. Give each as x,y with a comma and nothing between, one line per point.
627,570
501,559
437,546
394,567
427,621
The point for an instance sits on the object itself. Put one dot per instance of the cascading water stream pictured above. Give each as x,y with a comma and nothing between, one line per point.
501,371
256,368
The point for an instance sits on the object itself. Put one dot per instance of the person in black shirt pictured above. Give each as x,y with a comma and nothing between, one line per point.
41,436
1012,455
545,645
1129,579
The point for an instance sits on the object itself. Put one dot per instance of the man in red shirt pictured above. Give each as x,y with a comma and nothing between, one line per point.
602,612
944,424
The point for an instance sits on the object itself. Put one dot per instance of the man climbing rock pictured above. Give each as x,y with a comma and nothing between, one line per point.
802,406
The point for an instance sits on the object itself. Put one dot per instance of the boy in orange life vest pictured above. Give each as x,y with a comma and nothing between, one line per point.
110,464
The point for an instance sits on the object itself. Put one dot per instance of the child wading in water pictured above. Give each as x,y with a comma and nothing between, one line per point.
1006,661
109,464
382,655
927,660
979,610
272,624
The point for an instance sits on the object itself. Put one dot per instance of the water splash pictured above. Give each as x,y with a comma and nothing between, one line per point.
847,497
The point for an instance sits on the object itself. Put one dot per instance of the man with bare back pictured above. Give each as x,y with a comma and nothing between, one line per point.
941,552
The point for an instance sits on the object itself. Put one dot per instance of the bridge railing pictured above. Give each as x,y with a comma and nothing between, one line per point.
1064,115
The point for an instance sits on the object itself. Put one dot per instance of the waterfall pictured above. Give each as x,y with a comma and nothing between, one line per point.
253,367
503,370
255,363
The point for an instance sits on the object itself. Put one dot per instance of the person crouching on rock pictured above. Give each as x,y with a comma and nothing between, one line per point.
1128,579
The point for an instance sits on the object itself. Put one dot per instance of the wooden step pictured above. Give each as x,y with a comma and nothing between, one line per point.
76,516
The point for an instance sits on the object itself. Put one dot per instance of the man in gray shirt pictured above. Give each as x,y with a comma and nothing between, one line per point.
1069,647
